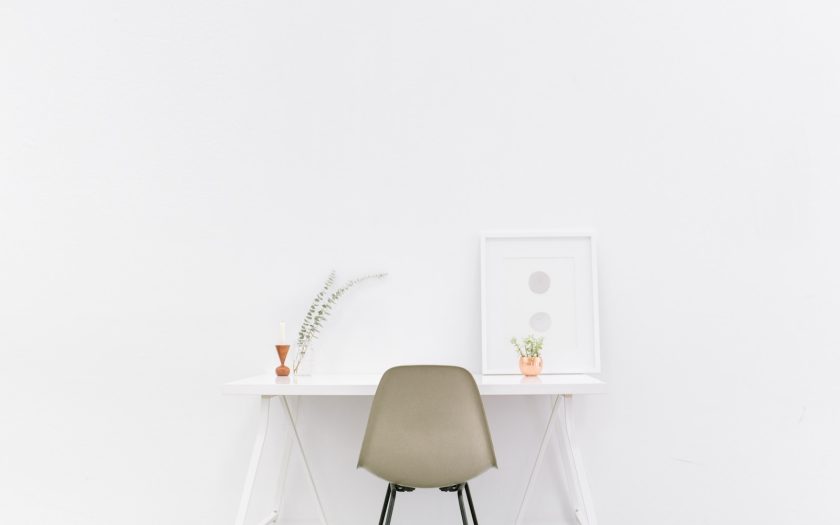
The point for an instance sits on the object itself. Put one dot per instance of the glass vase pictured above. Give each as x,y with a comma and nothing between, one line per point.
302,365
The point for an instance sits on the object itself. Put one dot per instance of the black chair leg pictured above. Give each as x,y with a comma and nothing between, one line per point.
470,501
391,504
461,503
385,505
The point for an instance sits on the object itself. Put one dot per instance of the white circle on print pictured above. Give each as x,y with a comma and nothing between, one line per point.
539,282
540,321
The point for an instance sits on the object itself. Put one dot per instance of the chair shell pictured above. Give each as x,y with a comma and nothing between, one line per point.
427,428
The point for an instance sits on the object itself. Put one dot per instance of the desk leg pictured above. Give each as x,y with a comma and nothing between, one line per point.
543,445
584,511
256,454
305,461
285,455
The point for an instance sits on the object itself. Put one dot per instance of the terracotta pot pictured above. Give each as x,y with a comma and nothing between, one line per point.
282,352
530,366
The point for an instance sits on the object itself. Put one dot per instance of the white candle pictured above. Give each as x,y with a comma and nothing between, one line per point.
282,333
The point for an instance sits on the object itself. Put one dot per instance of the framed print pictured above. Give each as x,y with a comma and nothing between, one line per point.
543,284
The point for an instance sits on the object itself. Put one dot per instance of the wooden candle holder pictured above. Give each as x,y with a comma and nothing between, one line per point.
282,352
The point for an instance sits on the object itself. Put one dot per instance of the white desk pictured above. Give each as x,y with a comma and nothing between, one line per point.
562,388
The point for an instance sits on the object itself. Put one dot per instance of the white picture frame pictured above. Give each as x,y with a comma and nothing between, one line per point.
545,283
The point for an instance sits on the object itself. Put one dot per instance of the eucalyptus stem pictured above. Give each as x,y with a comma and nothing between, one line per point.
320,310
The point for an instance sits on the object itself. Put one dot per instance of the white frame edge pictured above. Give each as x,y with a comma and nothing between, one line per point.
519,234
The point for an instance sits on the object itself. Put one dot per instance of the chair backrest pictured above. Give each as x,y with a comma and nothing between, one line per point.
427,428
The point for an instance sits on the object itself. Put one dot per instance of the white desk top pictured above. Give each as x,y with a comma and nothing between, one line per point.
365,385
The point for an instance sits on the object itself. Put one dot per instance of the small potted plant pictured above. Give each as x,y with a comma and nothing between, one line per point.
529,350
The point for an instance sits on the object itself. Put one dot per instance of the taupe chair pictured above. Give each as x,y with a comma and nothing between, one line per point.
427,429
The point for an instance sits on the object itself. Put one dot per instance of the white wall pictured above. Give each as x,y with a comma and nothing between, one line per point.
177,177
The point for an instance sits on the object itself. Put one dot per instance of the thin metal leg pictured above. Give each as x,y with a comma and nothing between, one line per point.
385,504
584,511
391,504
461,504
256,454
470,501
562,465
543,445
305,461
286,456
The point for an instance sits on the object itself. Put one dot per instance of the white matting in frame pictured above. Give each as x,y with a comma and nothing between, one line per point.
545,284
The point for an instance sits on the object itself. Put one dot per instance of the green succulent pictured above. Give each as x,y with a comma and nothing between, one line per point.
528,347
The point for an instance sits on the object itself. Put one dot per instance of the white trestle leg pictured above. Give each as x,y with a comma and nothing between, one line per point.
549,428
285,458
575,473
256,454
305,461
584,510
